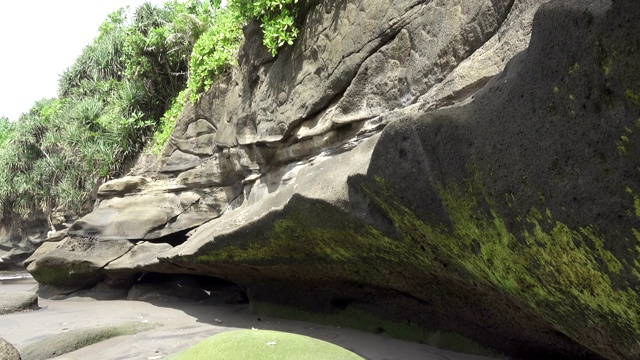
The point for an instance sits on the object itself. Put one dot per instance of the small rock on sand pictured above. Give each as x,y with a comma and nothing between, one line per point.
16,301
7,351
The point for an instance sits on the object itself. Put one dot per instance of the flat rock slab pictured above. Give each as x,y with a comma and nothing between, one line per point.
16,301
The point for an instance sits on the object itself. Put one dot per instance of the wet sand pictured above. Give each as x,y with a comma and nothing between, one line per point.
181,325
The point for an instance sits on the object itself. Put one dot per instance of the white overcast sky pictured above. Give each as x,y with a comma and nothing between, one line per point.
39,39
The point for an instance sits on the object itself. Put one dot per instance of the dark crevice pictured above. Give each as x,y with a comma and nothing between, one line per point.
409,296
175,239
175,142
175,173
172,219
341,303
179,266
505,13
115,259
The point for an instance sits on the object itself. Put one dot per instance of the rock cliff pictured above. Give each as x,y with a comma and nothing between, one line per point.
389,172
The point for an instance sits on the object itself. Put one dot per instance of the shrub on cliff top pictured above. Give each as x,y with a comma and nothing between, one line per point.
215,51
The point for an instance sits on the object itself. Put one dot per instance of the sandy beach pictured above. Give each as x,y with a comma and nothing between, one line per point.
181,325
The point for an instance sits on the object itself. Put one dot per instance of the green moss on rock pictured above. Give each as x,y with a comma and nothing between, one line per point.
316,230
59,344
80,272
262,345
566,275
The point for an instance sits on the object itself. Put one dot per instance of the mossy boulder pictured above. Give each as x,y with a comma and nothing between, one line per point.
75,262
59,344
264,344
532,187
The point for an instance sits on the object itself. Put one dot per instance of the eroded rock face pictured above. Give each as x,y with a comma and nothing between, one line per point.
136,208
288,108
379,167
329,91
18,241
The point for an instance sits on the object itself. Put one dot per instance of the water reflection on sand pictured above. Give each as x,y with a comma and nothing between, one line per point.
16,281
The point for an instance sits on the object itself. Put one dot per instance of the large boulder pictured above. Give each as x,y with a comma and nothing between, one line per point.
75,262
228,148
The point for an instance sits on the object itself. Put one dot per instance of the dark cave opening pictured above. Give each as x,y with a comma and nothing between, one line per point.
153,286
340,303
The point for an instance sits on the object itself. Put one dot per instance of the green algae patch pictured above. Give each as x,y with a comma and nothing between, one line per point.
361,320
59,276
59,344
566,275
316,230
264,345
316,241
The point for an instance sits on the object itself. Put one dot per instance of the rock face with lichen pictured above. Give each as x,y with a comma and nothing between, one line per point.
388,171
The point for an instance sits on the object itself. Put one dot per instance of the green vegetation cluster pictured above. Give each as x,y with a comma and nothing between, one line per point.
123,95
215,51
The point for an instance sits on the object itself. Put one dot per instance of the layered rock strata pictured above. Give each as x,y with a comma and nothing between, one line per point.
380,172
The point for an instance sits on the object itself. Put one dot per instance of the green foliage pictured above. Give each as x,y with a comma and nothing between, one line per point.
5,130
157,47
168,122
215,52
111,101
277,18
216,49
